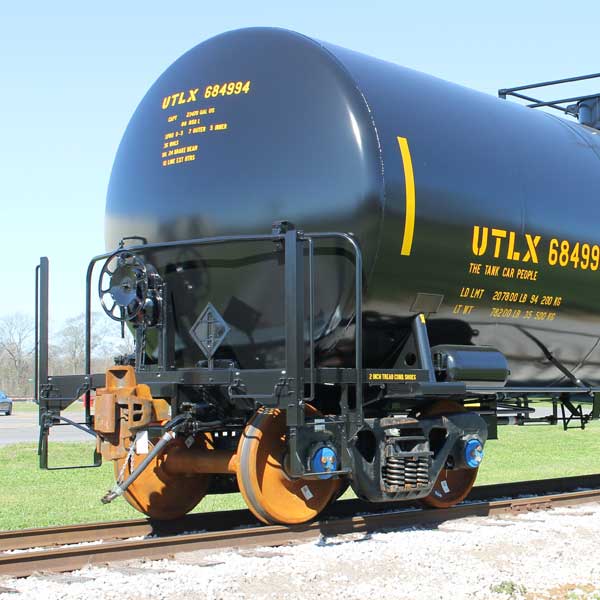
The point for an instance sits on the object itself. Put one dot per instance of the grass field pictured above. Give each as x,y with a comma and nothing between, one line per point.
26,407
33,498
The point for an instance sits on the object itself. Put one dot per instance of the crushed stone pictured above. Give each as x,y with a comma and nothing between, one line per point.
543,555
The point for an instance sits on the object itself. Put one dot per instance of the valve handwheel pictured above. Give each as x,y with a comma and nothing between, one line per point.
123,286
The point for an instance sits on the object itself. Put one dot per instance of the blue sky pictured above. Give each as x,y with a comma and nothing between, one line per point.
72,75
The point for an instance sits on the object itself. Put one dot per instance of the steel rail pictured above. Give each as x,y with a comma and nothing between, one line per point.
217,521
75,557
19,564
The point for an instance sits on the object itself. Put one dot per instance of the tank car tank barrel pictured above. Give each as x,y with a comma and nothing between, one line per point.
486,252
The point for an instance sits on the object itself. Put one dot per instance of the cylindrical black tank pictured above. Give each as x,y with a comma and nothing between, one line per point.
481,212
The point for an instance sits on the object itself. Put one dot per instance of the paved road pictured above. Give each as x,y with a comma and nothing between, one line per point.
22,426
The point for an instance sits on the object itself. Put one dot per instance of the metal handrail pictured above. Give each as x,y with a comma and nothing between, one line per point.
309,237
535,103
358,285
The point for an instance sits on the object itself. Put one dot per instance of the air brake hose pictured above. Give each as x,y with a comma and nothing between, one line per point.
166,437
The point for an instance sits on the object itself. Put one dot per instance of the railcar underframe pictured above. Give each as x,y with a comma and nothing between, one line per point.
398,434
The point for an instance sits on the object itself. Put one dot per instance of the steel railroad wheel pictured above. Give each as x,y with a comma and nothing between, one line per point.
270,494
159,494
452,485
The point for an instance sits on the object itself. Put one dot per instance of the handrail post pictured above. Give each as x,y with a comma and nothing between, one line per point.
42,315
88,340
294,325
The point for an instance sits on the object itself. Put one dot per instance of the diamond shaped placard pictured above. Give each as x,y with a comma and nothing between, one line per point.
209,330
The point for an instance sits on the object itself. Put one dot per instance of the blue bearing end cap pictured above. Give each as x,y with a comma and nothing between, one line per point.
324,461
473,453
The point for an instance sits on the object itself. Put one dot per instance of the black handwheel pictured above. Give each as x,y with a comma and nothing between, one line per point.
123,286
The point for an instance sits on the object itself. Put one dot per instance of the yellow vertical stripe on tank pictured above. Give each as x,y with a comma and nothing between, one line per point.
409,182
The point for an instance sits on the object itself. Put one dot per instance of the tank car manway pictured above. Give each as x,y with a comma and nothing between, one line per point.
341,520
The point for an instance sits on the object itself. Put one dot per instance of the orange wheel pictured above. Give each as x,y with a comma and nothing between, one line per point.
159,494
268,491
452,485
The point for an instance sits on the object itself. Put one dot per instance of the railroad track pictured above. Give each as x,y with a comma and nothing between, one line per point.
55,548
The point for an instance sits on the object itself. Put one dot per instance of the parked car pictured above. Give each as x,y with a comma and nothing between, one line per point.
6,404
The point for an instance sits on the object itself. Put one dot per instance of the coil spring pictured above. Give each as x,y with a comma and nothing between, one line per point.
406,471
